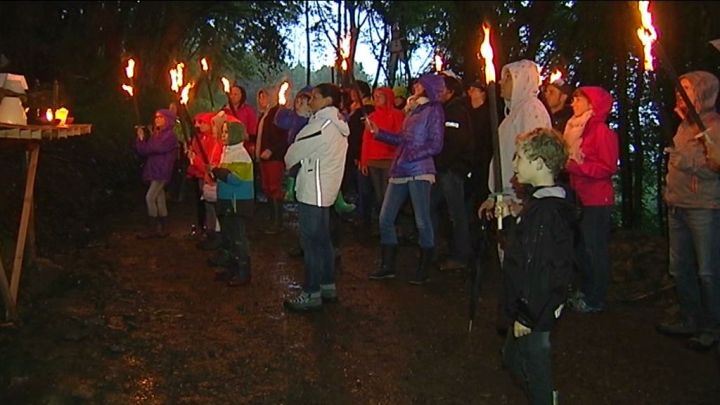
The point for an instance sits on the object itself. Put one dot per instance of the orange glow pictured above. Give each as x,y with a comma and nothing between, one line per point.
130,68
345,51
555,76
438,63
176,77
282,98
49,115
647,33
486,51
185,94
129,89
226,84
204,64
62,114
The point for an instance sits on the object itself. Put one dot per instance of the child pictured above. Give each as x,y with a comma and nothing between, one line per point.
235,195
160,149
538,262
204,141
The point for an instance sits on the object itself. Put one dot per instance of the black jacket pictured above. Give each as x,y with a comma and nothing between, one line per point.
538,261
357,126
458,142
483,151
560,118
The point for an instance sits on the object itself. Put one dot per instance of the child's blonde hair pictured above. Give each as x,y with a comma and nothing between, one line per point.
545,143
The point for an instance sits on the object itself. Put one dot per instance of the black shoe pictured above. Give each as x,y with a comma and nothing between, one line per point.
387,264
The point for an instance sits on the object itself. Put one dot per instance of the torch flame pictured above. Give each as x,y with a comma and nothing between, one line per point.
49,115
130,68
226,84
647,33
345,51
185,93
129,89
61,114
204,64
555,76
176,77
486,52
282,99
438,63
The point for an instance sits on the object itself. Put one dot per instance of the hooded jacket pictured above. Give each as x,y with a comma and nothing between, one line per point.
239,183
212,146
291,120
388,118
160,151
320,148
421,137
526,112
691,181
458,142
592,178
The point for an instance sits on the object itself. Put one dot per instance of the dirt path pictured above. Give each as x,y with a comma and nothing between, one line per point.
128,321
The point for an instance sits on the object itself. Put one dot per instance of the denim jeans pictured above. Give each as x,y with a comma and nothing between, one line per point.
450,189
528,359
395,196
319,254
694,241
593,254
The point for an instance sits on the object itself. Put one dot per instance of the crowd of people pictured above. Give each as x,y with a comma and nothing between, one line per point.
431,155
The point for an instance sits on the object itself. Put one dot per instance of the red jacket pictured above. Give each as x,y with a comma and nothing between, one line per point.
592,179
213,148
387,118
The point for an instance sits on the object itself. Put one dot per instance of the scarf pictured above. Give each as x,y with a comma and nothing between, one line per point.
573,134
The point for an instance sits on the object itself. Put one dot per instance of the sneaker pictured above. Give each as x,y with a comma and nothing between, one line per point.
328,293
682,328
304,302
703,342
580,305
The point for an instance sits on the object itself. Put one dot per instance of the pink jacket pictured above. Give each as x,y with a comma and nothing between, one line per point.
592,179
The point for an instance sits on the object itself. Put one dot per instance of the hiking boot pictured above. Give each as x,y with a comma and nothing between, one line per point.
387,264
421,274
681,328
304,302
328,293
703,341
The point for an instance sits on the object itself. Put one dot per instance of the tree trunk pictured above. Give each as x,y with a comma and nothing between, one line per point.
639,160
626,181
307,41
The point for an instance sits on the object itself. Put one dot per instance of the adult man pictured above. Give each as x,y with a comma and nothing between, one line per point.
557,95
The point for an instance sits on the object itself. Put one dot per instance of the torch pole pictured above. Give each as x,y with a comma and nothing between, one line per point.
693,115
209,88
135,101
497,166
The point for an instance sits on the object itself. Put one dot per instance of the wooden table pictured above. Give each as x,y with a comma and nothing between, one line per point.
31,136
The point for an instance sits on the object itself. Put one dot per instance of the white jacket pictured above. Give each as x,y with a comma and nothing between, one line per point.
320,148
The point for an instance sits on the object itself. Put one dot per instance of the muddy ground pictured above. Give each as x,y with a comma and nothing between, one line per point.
123,321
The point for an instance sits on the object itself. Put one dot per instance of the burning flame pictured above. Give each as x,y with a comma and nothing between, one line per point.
487,54
282,93
176,77
130,68
647,33
185,93
555,76
204,64
345,51
438,63
61,114
129,89
49,115
226,84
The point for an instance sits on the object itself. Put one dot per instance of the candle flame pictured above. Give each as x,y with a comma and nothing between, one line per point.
438,63
555,76
345,50
204,64
130,68
486,51
647,33
282,98
49,115
176,77
129,89
226,84
185,93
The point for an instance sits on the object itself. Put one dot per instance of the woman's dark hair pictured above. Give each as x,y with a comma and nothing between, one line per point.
243,93
330,90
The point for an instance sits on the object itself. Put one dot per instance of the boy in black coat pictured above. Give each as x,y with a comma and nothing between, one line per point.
538,261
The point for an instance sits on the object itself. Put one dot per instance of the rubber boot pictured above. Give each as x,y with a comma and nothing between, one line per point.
161,228
421,274
150,229
290,189
241,273
387,263
341,206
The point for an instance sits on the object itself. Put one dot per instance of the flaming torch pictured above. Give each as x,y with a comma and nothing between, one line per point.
438,63
555,76
344,55
487,54
282,93
226,89
130,89
206,69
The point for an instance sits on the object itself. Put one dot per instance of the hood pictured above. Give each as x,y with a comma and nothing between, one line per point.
333,114
204,117
526,80
433,85
236,132
170,118
705,85
389,97
601,101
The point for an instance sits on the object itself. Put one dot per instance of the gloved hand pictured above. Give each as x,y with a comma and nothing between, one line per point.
221,173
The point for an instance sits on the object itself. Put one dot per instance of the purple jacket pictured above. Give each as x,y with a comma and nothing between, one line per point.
422,134
160,151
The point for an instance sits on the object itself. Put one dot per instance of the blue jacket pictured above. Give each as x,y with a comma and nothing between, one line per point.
290,121
422,134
